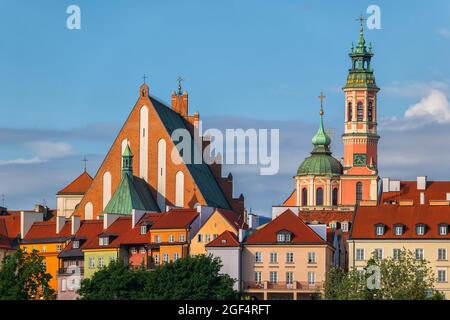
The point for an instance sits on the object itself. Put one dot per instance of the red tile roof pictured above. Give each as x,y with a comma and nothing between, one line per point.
46,232
367,217
11,224
5,242
88,229
134,236
301,232
118,228
78,186
325,217
291,200
435,190
226,239
176,219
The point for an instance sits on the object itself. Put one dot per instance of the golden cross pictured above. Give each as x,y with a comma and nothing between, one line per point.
179,80
361,20
321,98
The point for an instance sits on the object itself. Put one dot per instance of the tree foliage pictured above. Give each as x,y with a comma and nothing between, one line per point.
405,278
23,277
190,278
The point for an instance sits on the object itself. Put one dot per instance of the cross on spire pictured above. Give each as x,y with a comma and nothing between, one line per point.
361,20
321,98
85,163
144,77
180,80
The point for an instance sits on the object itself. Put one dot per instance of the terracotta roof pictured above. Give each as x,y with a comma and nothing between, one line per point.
45,232
301,232
291,200
176,219
78,186
325,216
11,227
367,217
435,190
226,239
118,228
5,242
88,229
134,236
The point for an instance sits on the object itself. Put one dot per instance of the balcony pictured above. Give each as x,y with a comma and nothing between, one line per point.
71,270
303,286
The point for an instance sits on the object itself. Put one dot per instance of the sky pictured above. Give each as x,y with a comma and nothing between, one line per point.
247,64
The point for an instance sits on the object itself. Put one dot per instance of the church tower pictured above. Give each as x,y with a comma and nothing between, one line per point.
360,138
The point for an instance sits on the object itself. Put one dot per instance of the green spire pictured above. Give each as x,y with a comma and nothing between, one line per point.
127,162
321,140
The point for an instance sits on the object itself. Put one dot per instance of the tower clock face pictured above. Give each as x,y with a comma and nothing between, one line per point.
359,160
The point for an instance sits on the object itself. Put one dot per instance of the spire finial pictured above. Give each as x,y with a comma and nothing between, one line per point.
321,98
180,80
85,163
361,20
144,77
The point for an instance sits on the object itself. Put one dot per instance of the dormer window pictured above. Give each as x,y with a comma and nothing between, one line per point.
420,229
76,244
379,229
103,241
344,226
399,229
284,236
144,229
443,229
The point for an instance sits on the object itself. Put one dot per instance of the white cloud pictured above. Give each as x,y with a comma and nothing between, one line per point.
415,89
33,160
50,150
434,107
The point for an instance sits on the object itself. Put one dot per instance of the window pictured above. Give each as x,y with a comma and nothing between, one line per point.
350,112
103,241
44,249
142,250
284,237
133,250
333,225
289,257
378,254
311,257
101,262
344,226
396,254
258,257
171,238
208,238
176,256
420,229
359,111
419,254
379,229
358,191
58,248
111,259
398,230
443,229
157,239
273,277
199,238
35,248
76,244
143,229
311,277
165,258
157,258
359,254
442,254
25,249
63,284
304,197
258,277
442,276
335,197
273,257
289,277
370,111
182,238
319,197
91,263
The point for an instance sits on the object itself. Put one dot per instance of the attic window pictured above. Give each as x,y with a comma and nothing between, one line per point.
144,229
284,237
443,229
76,244
103,241
399,229
224,241
420,229
379,229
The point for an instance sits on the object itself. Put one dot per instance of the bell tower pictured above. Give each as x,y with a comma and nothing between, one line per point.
360,138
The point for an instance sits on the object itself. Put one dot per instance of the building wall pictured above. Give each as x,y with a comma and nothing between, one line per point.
430,250
231,263
107,255
66,204
215,226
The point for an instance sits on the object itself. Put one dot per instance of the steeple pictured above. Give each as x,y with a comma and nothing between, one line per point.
127,162
321,140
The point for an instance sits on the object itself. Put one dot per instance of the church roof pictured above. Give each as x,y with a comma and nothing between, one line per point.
78,186
201,173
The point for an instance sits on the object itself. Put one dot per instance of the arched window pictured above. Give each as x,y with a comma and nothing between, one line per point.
106,188
161,183
350,111
304,197
359,111
179,189
358,191
370,112
335,197
319,197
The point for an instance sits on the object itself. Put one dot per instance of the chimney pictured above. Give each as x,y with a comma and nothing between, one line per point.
75,224
386,184
136,215
422,183
26,221
241,235
108,220
60,222
180,103
422,198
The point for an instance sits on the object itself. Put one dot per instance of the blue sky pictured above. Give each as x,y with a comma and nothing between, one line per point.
65,92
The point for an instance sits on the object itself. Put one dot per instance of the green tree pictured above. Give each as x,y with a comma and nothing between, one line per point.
23,277
191,278
114,282
405,278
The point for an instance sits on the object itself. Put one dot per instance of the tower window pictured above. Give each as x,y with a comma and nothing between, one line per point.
304,197
335,196
358,191
360,111
319,197
350,111
370,112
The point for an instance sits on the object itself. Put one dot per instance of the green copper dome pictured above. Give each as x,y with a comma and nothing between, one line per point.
320,162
